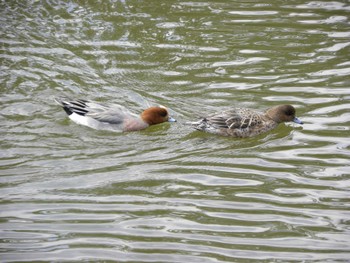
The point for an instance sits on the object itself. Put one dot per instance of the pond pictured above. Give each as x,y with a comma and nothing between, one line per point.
170,193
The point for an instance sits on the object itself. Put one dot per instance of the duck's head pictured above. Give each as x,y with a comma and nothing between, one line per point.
283,113
155,115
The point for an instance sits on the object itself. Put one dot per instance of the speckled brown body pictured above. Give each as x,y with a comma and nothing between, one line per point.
241,122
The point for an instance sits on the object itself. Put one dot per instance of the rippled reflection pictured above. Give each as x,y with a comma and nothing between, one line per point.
171,194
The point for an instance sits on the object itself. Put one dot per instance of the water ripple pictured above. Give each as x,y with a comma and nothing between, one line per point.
169,193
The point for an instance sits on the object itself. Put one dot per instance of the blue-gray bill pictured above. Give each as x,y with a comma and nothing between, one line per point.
297,120
171,119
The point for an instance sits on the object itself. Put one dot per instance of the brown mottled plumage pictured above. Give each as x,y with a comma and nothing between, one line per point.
241,122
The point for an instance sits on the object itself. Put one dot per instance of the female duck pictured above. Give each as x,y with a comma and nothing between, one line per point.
111,117
242,122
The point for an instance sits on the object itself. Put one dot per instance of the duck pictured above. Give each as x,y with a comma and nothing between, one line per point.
111,116
244,122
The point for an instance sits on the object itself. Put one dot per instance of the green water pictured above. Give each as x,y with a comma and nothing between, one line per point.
171,194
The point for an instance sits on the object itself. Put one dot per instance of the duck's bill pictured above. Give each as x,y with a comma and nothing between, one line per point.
297,120
171,119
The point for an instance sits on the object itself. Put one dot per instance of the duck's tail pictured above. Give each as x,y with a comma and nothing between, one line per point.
64,102
198,125
72,106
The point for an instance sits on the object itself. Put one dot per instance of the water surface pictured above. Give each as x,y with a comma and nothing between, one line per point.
168,193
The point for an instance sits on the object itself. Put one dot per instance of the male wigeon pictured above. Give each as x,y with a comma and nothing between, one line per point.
111,117
241,122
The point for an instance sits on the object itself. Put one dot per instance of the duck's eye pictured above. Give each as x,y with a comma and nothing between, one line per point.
163,113
289,112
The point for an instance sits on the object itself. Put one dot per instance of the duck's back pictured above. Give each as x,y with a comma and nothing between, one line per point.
238,122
